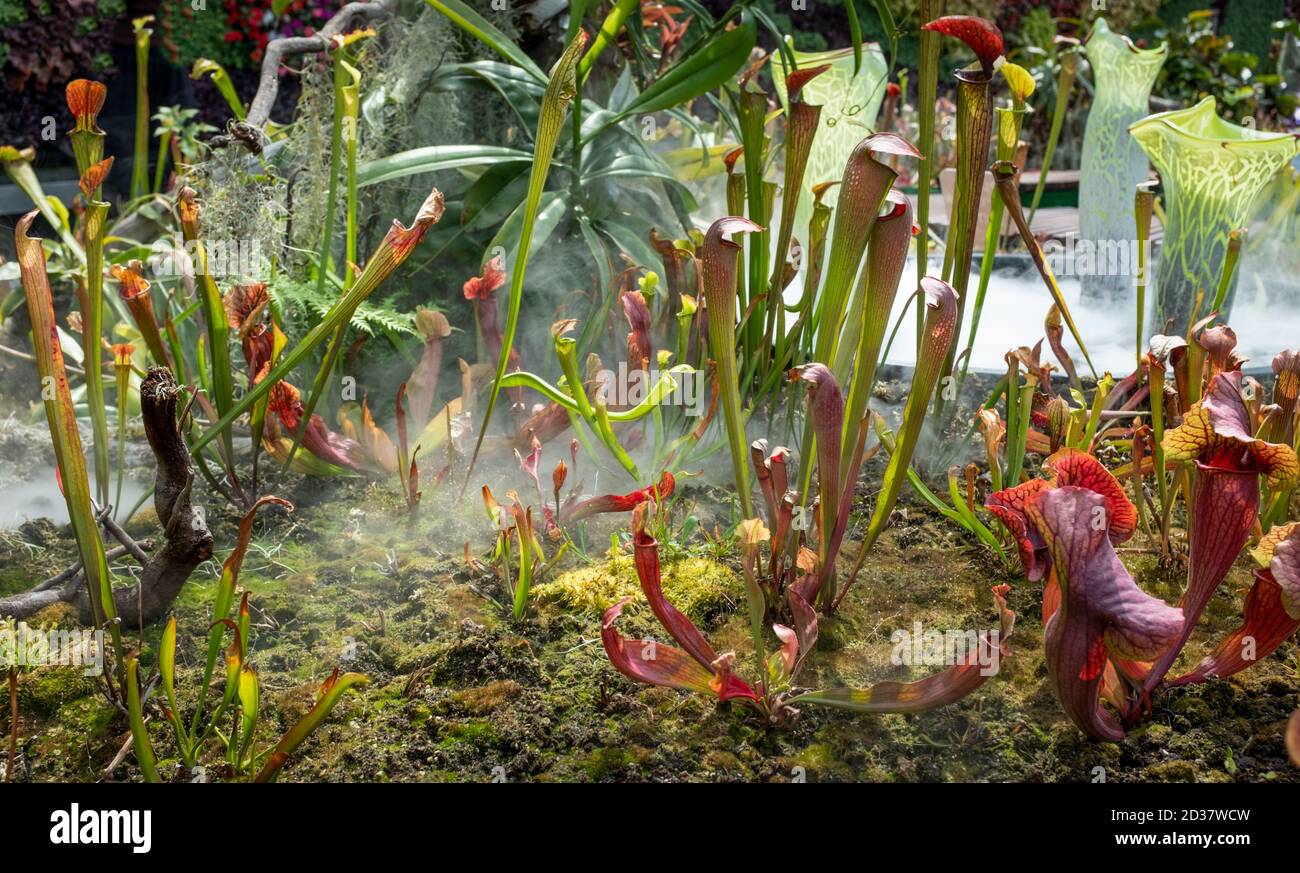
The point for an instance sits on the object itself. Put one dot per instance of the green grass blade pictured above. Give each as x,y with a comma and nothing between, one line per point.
560,91
330,694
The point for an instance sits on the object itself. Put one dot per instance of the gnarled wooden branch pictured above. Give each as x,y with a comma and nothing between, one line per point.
186,544
249,131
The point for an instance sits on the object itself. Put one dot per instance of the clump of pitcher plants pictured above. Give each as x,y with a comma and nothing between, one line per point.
1108,641
781,588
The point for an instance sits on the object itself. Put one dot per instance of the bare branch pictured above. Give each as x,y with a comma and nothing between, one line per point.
249,132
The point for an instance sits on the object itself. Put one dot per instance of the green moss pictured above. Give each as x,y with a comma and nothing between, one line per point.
45,690
475,733
457,691
819,761
603,764
699,587
85,716
1171,771
56,615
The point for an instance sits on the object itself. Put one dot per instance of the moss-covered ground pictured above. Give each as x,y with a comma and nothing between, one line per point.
459,692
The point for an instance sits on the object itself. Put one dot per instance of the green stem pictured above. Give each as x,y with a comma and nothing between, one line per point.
92,330
140,163
123,395
1010,120
164,142
1064,84
1229,268
928,87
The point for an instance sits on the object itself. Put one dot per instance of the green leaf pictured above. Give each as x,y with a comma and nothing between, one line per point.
703,70
551,208
601,258
47,349
521,92
432,159
478,27
635,167
496,194
608,33
630,239
214,316
783,46
221,79
135,717
940,327
855,34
